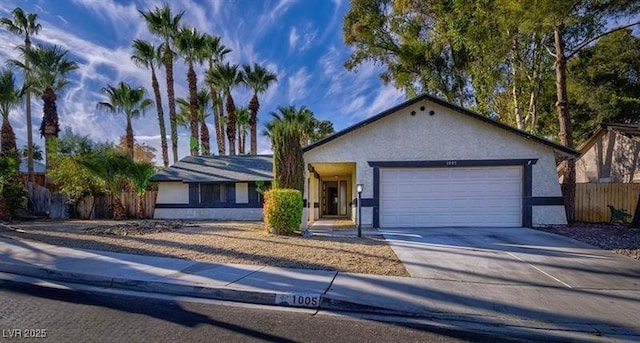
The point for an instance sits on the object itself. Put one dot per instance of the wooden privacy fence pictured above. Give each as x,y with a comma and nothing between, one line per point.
56,204
592,200
100,207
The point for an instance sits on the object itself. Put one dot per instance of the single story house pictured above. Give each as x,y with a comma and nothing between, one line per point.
213,187
612,154
422,163
429,163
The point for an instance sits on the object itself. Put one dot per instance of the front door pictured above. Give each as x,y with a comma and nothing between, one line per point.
331,199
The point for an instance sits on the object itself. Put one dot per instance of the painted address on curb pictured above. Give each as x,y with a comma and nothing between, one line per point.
298,300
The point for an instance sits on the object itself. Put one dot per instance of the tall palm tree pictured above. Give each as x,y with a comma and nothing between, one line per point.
129,101
27,25
163,23
226,77
191,44
48,67
258,79
243,118
203,108
214,53
10,96
184,117
146,55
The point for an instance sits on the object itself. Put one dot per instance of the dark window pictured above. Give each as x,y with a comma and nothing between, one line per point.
211,193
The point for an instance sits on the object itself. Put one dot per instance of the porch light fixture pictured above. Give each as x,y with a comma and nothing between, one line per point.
359,189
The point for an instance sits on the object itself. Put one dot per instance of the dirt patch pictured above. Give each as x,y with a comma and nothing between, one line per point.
617,238
136,228
221,242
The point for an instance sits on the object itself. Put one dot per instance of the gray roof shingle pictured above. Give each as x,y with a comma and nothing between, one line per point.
240,168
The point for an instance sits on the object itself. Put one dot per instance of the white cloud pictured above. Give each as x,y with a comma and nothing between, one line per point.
297,85
266,20
293,38
387,97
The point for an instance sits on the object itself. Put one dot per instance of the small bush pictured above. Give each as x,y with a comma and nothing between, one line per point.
282,210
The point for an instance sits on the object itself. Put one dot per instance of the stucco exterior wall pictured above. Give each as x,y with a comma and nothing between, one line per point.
248,214
172,193
446,135
613,158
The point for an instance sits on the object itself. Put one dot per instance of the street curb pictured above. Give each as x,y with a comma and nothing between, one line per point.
168,288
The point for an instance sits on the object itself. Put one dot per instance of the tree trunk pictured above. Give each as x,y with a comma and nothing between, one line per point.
204,137
566,135
119,212
27,99
129,142
49,127
168,64
163,129
231,124
192,81
514,88
217,120
141,207
7,137
254,106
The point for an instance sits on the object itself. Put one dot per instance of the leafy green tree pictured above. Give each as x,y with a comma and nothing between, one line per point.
10,95
162,22
604,86
129,101
226,77
48,68
12,192
69,174
574,26
191,45
25,24
214,54
414,41
112,168
148,56
258,79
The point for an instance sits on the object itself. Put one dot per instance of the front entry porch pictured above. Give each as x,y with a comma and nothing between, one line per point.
330,192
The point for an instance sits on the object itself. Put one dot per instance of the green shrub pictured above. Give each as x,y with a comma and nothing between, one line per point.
282,210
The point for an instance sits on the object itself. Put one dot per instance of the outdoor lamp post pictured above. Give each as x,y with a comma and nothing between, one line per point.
359,188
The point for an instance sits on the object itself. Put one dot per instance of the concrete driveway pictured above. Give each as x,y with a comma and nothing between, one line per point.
511,256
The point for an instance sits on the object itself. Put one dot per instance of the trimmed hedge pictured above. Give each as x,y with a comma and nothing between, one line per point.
282,210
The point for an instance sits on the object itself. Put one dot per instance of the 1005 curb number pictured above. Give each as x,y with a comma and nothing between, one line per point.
302,300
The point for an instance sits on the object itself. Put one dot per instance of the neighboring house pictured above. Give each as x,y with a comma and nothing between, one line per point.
39,171
213,187
429,163
612,154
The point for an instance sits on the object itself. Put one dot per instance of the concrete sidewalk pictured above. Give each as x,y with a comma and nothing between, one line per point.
520,308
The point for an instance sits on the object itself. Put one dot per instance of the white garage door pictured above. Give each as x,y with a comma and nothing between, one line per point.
440,197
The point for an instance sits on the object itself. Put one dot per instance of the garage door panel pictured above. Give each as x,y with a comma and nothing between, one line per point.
429,197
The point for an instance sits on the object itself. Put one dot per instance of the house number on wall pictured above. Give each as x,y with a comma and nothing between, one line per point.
299,300
451,163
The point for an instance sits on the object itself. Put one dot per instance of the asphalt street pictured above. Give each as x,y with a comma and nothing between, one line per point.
85,316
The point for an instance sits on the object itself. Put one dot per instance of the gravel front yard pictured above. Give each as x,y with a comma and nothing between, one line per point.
222,242
619,239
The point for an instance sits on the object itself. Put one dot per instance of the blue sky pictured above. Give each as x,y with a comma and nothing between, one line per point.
300,40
